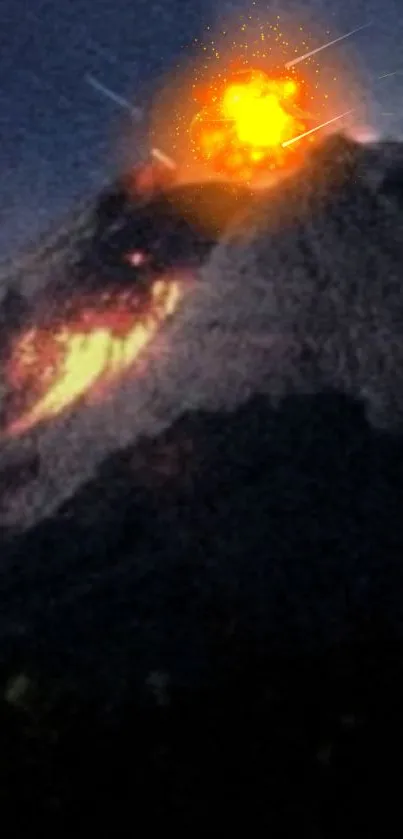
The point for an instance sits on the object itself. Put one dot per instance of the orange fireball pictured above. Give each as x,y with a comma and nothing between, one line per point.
58,367
242,128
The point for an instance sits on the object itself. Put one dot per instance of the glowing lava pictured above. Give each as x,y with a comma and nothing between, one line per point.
60,366
245,121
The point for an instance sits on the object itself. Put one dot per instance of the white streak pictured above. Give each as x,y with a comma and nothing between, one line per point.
325,46
163,158
387,75
114,97
317,128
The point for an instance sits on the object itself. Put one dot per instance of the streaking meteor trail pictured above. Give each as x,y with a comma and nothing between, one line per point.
163,158
387,75
309,54
317,128
114,97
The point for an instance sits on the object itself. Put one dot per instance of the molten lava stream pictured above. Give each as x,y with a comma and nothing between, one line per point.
82,357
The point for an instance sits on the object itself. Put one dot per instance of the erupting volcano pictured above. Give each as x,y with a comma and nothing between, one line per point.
246,120
55,367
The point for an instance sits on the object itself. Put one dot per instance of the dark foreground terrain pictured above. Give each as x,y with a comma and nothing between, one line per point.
210,634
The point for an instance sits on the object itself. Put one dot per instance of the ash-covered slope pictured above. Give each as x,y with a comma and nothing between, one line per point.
314,268
172,231
303,293
42,263
172,225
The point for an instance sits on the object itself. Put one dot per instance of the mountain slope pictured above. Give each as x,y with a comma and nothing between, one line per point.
293,308
245,328
313,268
201,591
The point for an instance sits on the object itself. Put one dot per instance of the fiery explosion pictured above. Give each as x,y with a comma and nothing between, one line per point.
58,367
255,94
246,122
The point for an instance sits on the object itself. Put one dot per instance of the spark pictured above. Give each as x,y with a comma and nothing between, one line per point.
309,54
114,97
317,128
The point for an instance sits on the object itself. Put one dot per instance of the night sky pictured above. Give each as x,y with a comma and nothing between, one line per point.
59,136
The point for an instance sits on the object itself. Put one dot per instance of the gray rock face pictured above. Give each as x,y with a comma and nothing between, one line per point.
317,262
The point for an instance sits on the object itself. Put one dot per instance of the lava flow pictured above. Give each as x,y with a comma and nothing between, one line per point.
56,367
245,123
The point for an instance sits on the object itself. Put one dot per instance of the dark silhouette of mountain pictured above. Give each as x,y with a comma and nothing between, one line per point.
285,524
212,627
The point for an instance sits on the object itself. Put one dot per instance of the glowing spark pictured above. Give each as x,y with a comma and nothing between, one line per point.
163,158
136,258
317,128
114,97
309,54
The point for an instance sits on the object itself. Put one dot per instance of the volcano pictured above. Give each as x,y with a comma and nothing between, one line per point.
210,562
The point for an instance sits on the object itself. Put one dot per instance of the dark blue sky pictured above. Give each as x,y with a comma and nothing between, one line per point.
57,133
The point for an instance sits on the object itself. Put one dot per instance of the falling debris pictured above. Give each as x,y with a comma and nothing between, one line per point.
163,158
114,97
388,75
317,128
311,53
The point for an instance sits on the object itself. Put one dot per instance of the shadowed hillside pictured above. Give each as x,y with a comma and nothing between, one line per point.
223,604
